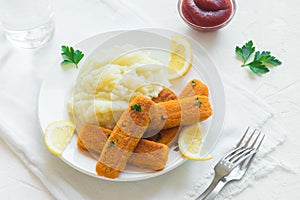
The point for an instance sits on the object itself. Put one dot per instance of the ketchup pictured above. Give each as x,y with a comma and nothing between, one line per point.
206,13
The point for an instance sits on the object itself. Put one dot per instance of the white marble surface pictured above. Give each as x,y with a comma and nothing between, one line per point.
272,25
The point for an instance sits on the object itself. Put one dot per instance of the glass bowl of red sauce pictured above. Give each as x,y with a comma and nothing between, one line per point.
206,15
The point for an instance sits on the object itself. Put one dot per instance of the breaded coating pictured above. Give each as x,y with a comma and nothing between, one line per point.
124,138
167,136
92,138
165,95
148,155
180,112
193,88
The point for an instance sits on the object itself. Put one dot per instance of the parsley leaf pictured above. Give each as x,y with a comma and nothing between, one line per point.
199,103
260,61
111,144
70,56
136,107
246,51
266,57
158,137
257,67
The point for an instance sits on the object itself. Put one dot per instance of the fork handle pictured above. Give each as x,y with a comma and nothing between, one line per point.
217,181
218,188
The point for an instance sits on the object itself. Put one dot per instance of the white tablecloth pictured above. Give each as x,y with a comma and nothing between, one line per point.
23,71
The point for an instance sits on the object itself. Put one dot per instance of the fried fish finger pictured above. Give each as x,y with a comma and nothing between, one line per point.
193,88
166,136
124,138
180,112
147,154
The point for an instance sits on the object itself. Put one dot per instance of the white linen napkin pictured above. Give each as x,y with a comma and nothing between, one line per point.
20,79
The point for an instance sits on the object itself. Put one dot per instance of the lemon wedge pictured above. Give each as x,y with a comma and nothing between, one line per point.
191,145
58,135
181,57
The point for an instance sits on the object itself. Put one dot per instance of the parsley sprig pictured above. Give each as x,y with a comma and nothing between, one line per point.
111,144
136,107
71,56
261,61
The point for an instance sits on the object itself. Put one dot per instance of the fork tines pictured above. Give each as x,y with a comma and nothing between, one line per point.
247,145
250,142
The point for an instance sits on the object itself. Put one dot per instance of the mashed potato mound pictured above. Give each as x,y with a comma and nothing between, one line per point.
105,86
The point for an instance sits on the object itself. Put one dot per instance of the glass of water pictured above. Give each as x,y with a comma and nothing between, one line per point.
27,23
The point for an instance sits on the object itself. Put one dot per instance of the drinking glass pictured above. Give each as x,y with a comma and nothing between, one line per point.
27,23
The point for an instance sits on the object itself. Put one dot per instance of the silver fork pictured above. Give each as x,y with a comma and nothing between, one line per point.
237,169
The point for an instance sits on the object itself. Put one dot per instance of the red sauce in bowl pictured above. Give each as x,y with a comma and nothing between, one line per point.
207,13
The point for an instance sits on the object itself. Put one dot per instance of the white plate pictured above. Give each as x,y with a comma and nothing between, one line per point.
56,90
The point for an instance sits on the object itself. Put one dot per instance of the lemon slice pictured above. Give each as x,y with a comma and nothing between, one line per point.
191,145
58,135
181,57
